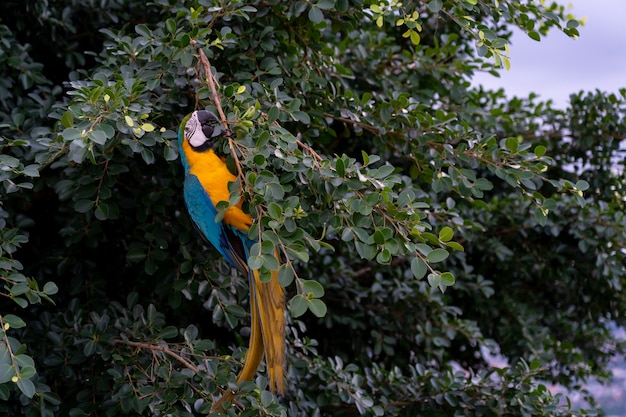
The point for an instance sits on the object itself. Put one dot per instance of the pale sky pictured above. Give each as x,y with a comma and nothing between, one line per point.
558,65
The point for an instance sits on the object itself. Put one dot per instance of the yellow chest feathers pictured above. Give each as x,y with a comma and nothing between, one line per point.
214,176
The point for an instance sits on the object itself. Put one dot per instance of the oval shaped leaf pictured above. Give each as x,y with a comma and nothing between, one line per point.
446,234
298,305
437,255
418,268
317,307
313,287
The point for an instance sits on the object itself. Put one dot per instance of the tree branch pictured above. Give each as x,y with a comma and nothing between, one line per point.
157,348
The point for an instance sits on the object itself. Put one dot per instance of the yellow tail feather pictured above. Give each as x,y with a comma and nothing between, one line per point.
271,309
267,305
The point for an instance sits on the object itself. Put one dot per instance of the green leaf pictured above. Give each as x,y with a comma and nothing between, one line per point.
434,280
549,204
340,167
97,136
13,321
540,151
317,307
437,255
147,156
275,211
315,14
446,234
143,30
27,372
302,117
102,211
285,275
581,185
26,386
512,144
259,160
325,4
19,289
272,114
83,206
415,37
447,279
255,262
540,216
366,158
383,172
435,5
168,333
236,310
90,347
303,255
7,372
266,398
423,248
418,268
534,35
298,305
455,246
384,257
136,254
170,152
9,161
71,134
347,234
20,302
170,25
190,334
270,263
313,288
379,237
67,120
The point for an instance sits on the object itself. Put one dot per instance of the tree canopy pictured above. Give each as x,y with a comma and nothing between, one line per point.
425,226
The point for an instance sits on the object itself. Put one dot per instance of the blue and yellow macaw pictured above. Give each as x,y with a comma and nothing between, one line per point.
206,184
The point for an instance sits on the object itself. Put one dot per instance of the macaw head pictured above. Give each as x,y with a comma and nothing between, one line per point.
200,129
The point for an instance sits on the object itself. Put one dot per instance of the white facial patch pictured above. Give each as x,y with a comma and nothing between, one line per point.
193,131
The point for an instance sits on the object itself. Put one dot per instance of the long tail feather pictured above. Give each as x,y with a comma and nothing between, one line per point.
267,306
271,308
253,357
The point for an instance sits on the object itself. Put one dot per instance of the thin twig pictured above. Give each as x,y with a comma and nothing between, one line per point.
372,129
309,149
213,85
158,348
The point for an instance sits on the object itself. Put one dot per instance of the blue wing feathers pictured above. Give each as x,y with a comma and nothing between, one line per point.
231,243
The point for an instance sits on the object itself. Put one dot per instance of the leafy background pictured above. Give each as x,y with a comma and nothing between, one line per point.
422,222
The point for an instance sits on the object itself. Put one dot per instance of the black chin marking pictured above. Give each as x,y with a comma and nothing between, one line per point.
204,147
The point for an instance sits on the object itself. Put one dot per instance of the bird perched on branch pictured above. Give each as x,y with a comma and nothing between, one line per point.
206,184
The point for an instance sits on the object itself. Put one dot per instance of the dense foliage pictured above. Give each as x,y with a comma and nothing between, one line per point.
425,226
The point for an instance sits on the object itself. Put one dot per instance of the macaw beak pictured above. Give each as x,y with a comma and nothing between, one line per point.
209,123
